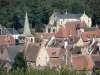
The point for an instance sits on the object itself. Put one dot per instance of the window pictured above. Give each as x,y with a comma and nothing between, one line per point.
49,30
61,21
54,30
54,53
31,39
5,69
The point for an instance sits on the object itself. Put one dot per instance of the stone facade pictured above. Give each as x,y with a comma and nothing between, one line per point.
58,20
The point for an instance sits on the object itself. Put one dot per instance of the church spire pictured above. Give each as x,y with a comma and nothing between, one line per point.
26,31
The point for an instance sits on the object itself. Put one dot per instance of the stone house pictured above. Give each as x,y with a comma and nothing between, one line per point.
36,55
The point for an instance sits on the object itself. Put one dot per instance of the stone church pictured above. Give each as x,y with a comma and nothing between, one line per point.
58,20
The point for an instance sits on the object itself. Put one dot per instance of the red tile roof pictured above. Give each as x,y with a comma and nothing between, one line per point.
70,27
82,62
6,40
90,34
62,33
45,35
31,52
53,52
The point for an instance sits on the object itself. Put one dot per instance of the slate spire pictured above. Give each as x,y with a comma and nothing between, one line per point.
26,31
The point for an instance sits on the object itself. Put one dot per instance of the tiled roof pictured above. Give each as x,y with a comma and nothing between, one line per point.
5,41
53,52
90,34
96,59
82,62
76,50
69,29
45,35
12,31
32,52
72,39
62,33
13,51
2,63
90,29
69,16
57,61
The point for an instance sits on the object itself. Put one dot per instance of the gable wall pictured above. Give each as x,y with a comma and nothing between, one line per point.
42,57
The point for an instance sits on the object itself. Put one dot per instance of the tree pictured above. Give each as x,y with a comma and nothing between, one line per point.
20,61
77,8
94,6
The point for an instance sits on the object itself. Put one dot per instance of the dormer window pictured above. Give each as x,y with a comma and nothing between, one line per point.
54,53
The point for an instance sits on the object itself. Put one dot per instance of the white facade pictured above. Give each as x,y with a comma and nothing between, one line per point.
80,42
86,19
15,36
59,22
30,39
42,57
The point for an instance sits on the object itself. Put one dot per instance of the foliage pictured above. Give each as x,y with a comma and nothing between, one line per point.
47,71
12,12
20,61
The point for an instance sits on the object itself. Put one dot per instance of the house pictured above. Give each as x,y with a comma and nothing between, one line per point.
90,33
36,56
4,53
3,30
96,60
39,37
14,33
70,29
82,62
4,64
26,36
80,42
13,51
58,20
7,40
6,31
57,57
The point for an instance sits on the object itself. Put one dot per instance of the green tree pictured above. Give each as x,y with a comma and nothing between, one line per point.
20,61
